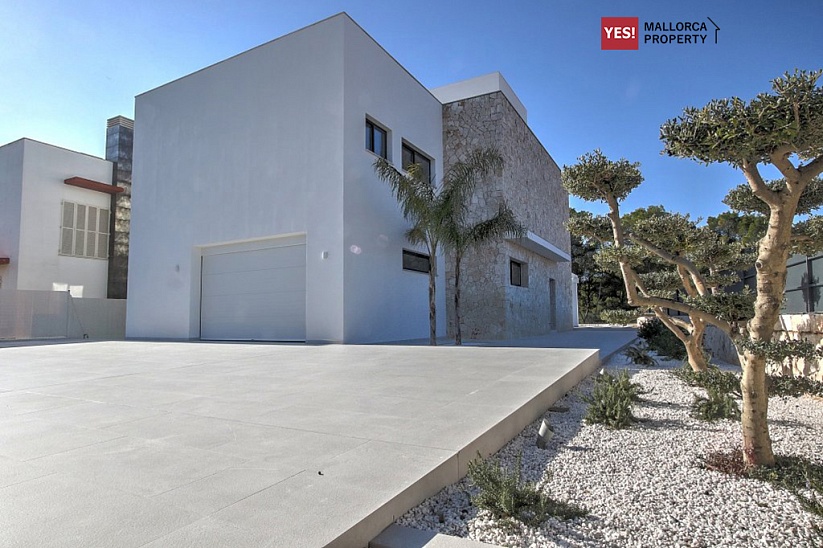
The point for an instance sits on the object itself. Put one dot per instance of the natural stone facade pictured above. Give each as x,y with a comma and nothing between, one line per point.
529,183
119,147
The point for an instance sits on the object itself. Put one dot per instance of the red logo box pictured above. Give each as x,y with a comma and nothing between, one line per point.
619,33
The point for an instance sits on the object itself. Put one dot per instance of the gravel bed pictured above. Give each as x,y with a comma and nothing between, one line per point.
643,486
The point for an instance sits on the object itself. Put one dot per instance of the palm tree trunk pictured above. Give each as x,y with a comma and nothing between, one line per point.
432,305
458,335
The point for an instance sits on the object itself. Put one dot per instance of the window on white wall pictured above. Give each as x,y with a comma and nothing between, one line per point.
377,139
412,156
84,231
416,262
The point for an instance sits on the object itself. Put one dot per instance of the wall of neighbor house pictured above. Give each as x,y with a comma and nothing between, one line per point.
382,301
11,176
45,167
247,148
119,150
530,185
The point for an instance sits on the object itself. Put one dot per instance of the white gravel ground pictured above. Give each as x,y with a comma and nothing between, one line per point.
643,486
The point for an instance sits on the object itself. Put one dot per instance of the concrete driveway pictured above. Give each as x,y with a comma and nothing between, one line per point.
194,444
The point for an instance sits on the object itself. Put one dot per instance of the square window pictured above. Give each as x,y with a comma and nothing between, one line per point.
376,139
412,156
518,273
416,262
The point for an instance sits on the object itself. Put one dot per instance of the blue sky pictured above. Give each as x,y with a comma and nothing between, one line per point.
65,67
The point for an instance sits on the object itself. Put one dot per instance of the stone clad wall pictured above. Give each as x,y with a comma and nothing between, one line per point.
530,185
119,151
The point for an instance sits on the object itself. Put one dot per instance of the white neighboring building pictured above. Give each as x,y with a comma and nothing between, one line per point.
256,213
54,219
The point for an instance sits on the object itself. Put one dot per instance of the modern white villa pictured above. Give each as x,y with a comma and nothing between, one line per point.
256,213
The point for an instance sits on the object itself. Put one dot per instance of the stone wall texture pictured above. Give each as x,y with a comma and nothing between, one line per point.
530,184
119,147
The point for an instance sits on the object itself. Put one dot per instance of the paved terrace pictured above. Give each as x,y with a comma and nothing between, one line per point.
241,445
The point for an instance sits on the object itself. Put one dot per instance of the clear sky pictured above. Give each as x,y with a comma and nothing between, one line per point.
65,67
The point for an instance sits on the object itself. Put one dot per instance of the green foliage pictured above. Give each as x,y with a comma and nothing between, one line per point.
597,289
732,307
507,496
610,402
661,280
661,340
715,407
736,131
807,235
776,352
779,385
585,223
742,198
737,227
609,257
640,356
713,380
595,178
619,317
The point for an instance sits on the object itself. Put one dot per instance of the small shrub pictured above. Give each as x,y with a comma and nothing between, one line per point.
640,356
650,328
661,340
507,496
715,407
619,317
610,402
713,379
779,385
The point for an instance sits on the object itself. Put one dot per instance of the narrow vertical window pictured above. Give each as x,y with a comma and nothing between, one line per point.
516,273
376,139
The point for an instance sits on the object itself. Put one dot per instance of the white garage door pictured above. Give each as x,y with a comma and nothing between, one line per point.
254,295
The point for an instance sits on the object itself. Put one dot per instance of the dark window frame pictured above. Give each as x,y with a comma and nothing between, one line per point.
371,129
417,157
416,255
517,273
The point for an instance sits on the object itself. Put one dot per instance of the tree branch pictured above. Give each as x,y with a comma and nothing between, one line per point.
758,185
780,159
693,271
812,169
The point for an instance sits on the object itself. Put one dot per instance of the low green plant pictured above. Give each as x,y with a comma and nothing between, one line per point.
779,385
713,379
610,402
639,355
715,407
504,493
661,340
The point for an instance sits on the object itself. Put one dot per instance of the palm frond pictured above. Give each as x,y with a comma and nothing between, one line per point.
503,224
415,195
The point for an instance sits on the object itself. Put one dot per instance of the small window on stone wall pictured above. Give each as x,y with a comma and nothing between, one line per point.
518,273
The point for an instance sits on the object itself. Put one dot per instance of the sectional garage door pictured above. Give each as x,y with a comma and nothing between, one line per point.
255,294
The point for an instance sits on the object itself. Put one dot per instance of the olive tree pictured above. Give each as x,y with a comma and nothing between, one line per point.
783,129
691,261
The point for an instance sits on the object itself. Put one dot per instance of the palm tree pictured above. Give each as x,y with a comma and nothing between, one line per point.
459,234
425,206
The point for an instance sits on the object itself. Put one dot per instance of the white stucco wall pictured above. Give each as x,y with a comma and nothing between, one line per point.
382,301
11,177
259,146
42,170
